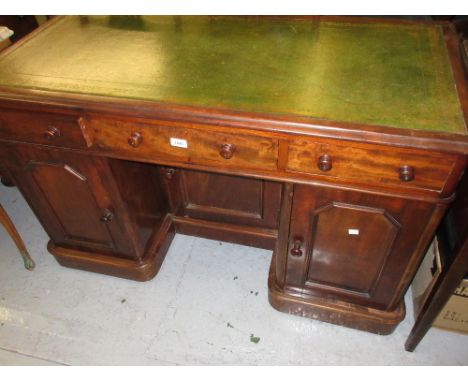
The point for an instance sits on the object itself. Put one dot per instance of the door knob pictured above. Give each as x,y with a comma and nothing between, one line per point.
296,250
107,216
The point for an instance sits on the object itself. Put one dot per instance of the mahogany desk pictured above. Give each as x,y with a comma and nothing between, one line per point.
336,142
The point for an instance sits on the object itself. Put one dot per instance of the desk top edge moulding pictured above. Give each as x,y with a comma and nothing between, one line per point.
344,137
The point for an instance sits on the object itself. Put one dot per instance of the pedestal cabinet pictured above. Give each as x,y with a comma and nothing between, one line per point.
337,143
348,246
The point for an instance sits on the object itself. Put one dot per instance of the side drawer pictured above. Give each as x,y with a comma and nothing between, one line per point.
44,128
365,163
183,144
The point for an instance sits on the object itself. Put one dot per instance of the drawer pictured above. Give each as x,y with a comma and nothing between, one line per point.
41,127
183,144
373,164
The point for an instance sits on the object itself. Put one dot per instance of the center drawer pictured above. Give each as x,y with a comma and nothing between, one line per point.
200,145
370,164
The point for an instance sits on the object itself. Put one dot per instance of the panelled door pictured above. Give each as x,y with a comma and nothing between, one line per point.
74,197
352,245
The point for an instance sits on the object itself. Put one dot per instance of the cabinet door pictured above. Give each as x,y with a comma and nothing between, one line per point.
74,198
352,245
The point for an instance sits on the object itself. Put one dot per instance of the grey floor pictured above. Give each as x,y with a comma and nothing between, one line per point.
201,309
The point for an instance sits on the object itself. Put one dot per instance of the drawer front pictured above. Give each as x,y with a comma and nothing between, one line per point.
181,144
42,128
371,164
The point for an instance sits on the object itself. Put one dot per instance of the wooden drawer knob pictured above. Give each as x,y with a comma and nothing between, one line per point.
296,250
135,139
52,133
324,162
227,151
406,173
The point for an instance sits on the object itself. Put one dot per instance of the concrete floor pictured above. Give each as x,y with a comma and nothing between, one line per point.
201,309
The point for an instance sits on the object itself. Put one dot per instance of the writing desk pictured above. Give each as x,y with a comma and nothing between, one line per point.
336,142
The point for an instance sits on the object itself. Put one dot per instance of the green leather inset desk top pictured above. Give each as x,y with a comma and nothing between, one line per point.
382,74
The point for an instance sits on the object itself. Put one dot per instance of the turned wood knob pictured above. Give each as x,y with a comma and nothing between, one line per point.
296,250
135,139
406,173
227,151
52,133
324,162
107,216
